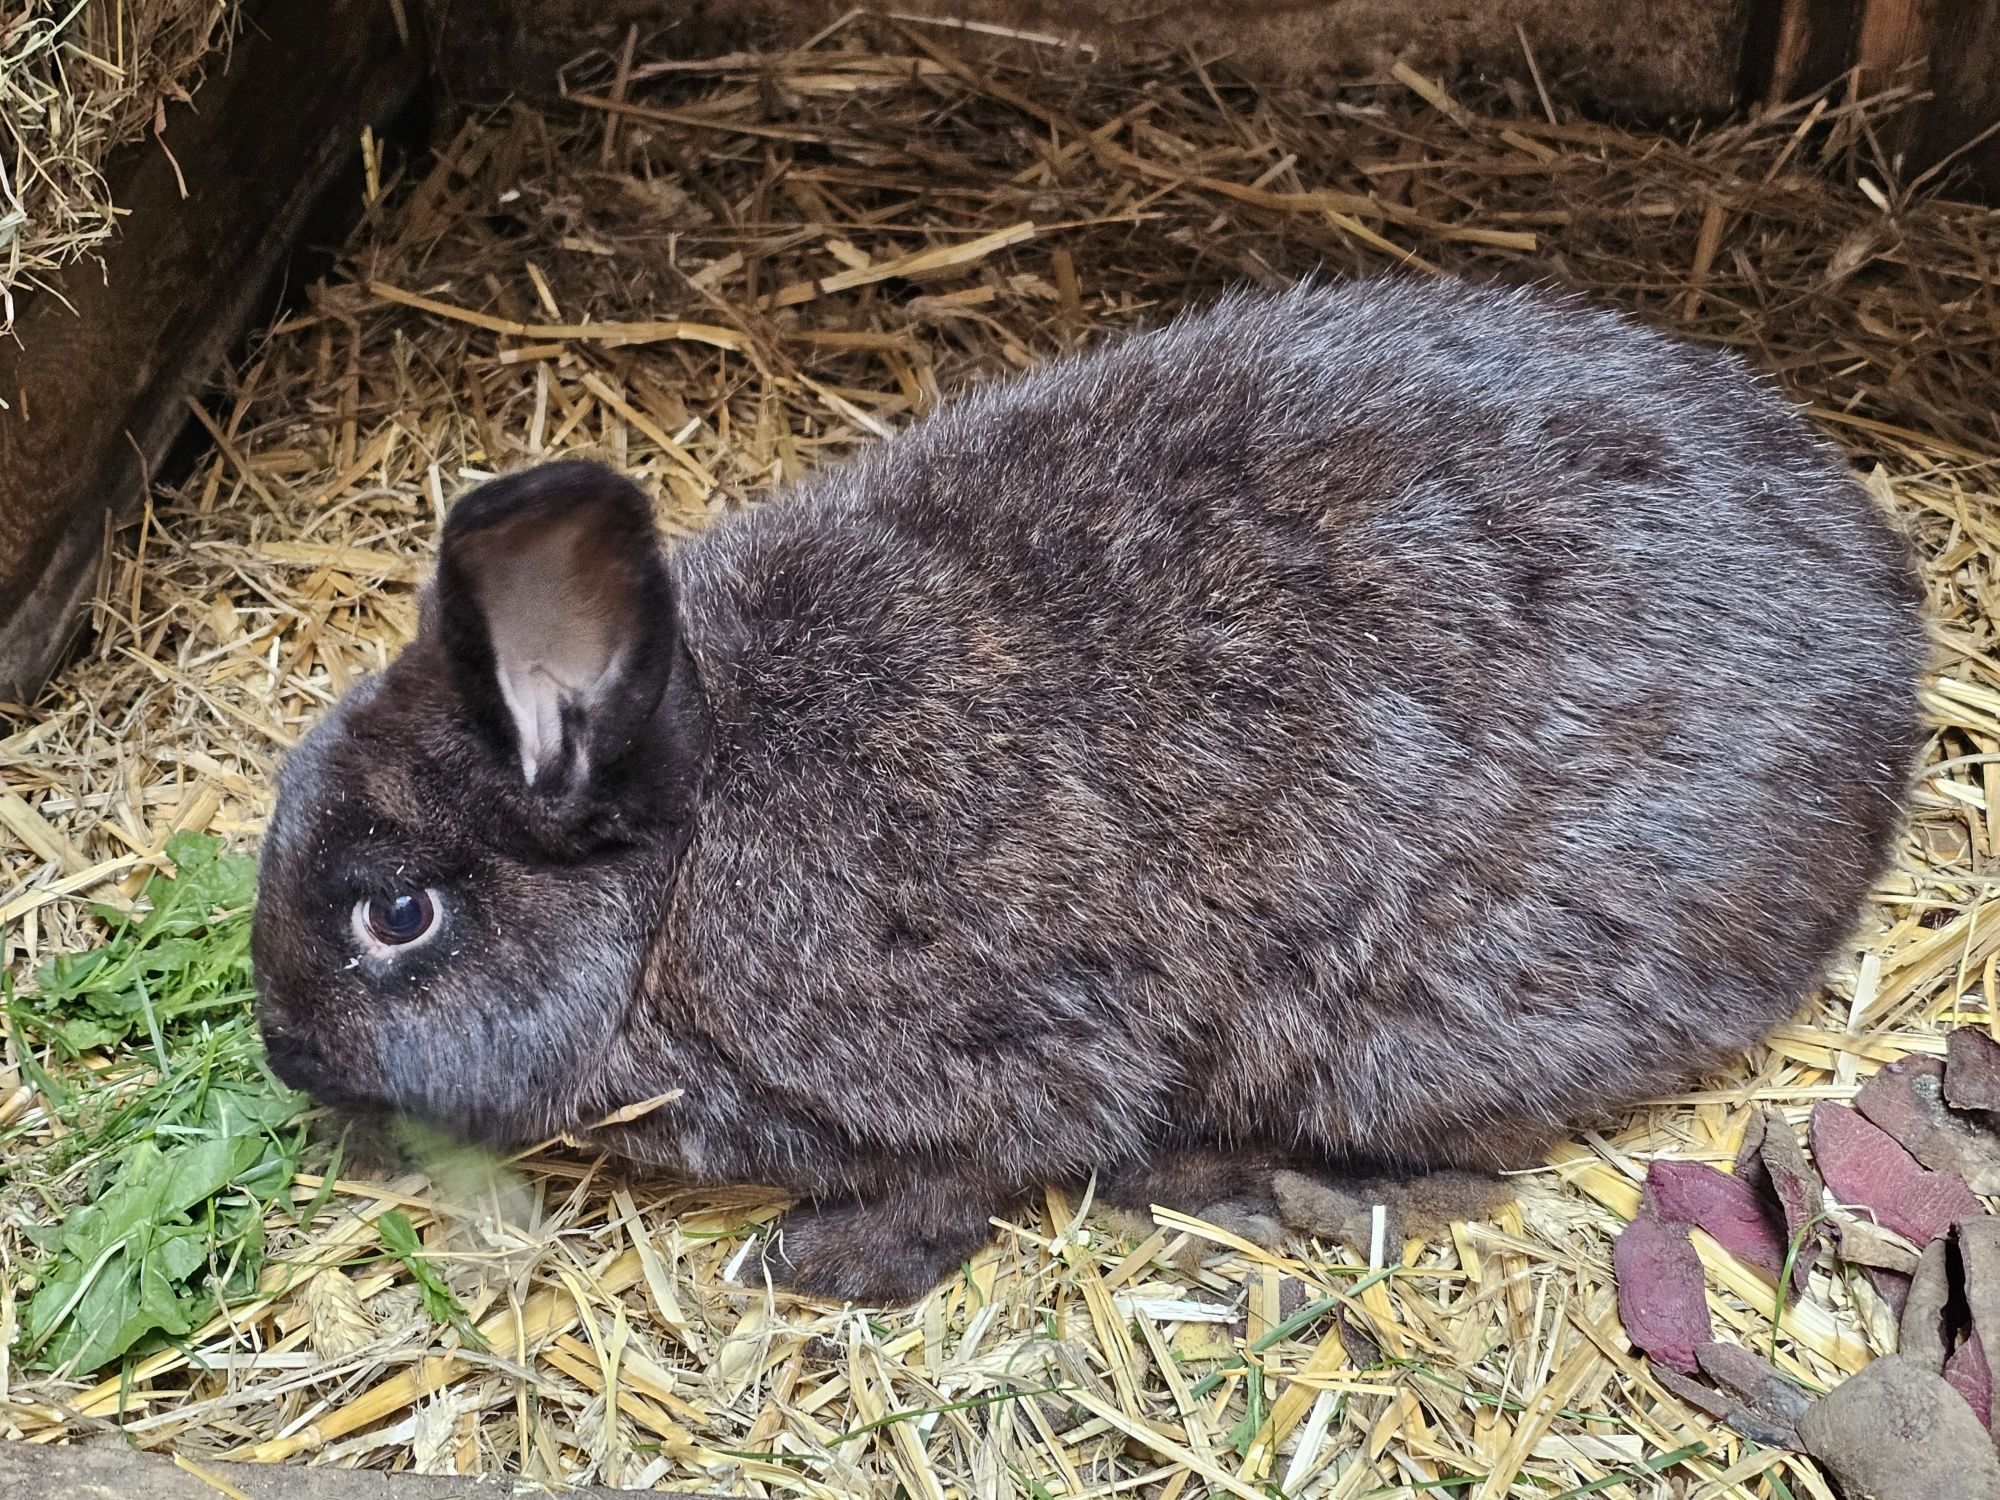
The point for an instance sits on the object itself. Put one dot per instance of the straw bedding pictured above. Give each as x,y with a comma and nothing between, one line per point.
719,274
79,78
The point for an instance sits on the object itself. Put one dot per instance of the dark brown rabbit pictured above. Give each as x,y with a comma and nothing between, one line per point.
1366,729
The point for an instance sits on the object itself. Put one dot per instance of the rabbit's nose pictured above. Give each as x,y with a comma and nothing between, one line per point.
298,1063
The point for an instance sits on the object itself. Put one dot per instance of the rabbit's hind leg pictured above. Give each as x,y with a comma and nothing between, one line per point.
887,1251
1264,1197
1344,1208
1231,1190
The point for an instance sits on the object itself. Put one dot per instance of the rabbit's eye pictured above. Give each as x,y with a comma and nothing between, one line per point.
395,921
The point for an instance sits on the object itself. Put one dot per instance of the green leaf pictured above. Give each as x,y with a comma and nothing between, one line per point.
399,1237
184,956
205,878
78,1036
180,1145
248,1106
124,1262
1243,1436
153,1186
141,1291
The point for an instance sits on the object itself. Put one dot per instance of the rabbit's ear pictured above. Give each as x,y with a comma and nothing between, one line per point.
557,618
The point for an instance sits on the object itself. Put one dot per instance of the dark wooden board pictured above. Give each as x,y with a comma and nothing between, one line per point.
98,388
1965,76
1799,46
108,1470
1948,48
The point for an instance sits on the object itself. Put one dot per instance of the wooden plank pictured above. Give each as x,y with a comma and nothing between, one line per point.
487,50
98,382
1965,77
1797,47
110,1468
1951,49
1894,45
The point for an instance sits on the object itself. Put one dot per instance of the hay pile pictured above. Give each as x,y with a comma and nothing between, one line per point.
719,274
79,78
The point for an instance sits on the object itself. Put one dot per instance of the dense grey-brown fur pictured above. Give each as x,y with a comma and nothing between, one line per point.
1365,729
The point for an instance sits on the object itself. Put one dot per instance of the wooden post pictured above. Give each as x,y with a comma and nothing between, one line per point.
1951,48
98,380
1963,122
487,50
1895,41
1894,50
1807,43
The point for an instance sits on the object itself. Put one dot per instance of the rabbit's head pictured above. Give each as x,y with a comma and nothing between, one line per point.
469,854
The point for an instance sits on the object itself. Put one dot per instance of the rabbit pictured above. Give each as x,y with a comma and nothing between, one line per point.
1366,729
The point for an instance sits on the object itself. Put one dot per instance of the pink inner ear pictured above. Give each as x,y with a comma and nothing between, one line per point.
558,610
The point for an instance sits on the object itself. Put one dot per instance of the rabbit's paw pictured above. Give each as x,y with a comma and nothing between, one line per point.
876,1254
1343,1209
1249,1219
1229,1189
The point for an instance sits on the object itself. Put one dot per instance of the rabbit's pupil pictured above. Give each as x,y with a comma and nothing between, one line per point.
401,919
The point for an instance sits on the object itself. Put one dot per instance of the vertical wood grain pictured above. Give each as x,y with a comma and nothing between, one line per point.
1809,44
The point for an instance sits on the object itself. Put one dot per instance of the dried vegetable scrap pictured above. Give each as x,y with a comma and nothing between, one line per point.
1893,1192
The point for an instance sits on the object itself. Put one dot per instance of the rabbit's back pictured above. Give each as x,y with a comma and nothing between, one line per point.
1356,718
